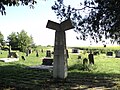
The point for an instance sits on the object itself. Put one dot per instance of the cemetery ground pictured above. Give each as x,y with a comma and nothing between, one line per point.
103,75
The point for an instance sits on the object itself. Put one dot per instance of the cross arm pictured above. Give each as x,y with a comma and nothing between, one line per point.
52,25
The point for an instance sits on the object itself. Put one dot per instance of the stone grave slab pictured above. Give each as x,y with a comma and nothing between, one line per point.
9,59
110,54
47,61
41,67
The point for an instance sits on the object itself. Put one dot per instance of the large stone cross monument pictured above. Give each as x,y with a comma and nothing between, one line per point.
60,56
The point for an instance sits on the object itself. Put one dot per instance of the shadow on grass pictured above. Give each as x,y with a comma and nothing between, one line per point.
87,80
18,77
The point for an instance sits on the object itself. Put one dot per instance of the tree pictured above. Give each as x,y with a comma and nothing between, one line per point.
4,3
1,38
24,40
20,40
98,19
13,40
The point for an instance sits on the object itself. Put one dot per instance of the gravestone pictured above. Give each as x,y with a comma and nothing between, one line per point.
79,57
48,53
74,50
27,52
85,61
37,54
117,54
67,53
47,61
23,58
60,54
109,54
96,53
91,58
42,50
13,55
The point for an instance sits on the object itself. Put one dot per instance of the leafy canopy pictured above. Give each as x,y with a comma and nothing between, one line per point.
4,3
1,39
20,40
98,19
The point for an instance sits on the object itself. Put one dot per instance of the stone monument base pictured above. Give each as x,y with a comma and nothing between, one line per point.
41,67
47,61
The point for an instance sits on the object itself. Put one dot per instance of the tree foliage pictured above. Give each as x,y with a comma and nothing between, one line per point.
4,3
20,40
1,38
13,40
24,40
99,19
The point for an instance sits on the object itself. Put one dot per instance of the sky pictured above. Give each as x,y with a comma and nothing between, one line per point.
34,21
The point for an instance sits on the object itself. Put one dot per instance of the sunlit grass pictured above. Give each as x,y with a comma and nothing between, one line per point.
103,63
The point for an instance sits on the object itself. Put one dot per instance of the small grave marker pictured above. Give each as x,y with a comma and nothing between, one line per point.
74,50
47,61
48,53
91,58
13,55
109,54
96,53
117,54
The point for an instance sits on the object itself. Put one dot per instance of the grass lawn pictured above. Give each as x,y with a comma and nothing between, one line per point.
104,75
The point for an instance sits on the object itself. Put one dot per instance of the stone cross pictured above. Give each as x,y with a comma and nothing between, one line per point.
60,54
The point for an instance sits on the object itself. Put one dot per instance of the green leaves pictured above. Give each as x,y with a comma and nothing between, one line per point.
15,3
100,19
20,40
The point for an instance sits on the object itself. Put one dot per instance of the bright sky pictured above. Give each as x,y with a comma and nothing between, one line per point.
34,21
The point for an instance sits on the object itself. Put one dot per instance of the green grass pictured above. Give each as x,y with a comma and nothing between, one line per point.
105,74
107,64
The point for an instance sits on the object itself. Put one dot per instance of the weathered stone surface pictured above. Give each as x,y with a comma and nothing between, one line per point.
60,54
